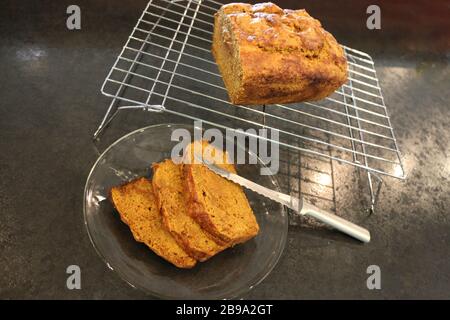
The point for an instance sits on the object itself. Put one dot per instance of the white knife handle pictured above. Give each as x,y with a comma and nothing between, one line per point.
336,222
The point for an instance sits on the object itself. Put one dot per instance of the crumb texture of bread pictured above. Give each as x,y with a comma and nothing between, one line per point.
217,204
170,190
137,206
269,55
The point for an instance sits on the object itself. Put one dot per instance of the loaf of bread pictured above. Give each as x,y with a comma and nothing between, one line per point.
217,204
136,204
268,55
169,187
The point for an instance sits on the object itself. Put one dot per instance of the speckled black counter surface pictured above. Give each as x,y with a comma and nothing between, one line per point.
50,104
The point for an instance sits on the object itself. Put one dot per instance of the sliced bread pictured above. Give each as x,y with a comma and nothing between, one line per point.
217,204
169,186
136,204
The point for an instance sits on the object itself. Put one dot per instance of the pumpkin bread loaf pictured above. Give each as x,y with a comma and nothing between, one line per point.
268,55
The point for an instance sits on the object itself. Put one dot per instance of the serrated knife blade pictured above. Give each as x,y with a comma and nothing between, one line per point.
296,204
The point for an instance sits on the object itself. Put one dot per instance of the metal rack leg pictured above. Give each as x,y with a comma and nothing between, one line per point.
107,118
373,194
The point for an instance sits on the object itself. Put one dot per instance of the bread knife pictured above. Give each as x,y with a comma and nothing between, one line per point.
296,204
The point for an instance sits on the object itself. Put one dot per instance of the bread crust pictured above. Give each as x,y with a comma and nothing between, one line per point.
198,211
229,229
268,55
169,188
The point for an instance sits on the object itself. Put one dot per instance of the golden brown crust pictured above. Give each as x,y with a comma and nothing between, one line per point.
197,209
198,212
269,55
169,188
136,204
219,205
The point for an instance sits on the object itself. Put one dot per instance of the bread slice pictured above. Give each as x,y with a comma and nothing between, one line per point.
169,186
137,207
217,204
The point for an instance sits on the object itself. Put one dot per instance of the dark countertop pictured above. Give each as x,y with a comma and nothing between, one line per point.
51,104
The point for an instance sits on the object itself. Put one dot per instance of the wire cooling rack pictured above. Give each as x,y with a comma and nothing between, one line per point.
166,65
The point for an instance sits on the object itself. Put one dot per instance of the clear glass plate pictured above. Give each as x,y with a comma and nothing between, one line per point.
230,274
